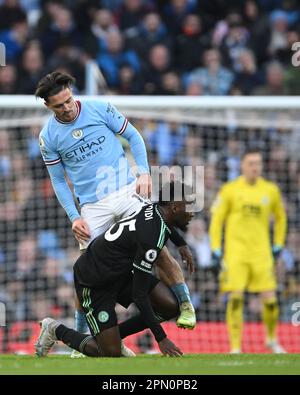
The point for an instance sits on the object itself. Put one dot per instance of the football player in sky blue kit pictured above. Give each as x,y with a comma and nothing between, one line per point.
80,140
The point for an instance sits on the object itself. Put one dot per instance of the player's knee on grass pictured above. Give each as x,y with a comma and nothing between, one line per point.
109,343
91,349
164,302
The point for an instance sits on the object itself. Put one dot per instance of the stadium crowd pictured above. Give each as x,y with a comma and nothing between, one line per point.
162,47
143,47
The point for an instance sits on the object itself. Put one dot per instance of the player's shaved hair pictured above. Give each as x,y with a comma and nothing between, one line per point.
53,83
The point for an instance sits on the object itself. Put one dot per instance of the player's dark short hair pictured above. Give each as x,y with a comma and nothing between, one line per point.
174,191
53,83
251,150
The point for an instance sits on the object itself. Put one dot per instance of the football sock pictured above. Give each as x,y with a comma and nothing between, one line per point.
80,322
182,293
132,325
86,344
135,324
270,314
234,319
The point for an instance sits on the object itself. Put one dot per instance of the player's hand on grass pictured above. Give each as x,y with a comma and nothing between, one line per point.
144,186
216,258
187,258
276,251
168,348
81,230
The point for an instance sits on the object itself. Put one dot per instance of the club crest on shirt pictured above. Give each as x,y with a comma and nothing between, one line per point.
77,133
103,316
265,200
41,142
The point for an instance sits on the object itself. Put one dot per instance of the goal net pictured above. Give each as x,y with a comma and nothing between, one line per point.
37,248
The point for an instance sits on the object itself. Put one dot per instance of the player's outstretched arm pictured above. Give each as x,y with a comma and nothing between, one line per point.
140,292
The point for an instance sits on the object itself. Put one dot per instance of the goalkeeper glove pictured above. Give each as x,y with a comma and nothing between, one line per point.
276,251
216,258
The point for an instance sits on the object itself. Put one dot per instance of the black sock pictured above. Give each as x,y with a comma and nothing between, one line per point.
132,325
85,344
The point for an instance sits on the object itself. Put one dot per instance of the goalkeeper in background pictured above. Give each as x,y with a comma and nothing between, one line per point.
245,207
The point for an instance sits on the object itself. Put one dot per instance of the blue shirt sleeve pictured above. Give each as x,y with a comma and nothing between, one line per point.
57,175
120,125
62,190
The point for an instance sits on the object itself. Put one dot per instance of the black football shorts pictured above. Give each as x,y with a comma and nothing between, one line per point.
99,303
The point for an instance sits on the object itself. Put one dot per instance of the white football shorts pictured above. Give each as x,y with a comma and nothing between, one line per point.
101,215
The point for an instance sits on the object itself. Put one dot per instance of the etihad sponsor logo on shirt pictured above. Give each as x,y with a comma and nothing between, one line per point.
87,149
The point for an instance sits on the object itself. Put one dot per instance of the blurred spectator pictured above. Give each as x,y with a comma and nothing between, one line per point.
234,42
279,28
102,24
62,30
258,26
50,9
248,77
149,32
229,160
170,84
198,240
131,13
113,56
5,152
72,33
31,69
8,80
159,63
190,44
274,85
175,11
14,39
194,88
215,79
167,140
10,12
130,82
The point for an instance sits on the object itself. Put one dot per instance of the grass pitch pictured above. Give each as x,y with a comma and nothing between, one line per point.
196,364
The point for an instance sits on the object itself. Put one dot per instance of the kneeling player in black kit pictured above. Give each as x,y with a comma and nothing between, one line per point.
117,268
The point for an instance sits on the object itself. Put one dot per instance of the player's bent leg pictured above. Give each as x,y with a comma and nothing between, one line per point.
109,342
270,315
164,302
52,331
80,319
234,319
171,274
